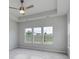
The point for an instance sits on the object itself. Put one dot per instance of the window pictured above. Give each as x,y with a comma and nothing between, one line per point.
28,35
48,35
39,35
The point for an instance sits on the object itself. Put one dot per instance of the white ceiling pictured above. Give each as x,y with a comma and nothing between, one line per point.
41,8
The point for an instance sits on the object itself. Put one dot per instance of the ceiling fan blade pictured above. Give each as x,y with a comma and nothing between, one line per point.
30,6
14,8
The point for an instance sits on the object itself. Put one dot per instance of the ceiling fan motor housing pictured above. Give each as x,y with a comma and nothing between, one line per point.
21,8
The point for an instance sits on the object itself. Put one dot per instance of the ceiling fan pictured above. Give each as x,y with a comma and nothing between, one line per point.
22,8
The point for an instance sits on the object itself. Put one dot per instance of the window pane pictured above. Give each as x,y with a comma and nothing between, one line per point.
48,35
28,35
37,35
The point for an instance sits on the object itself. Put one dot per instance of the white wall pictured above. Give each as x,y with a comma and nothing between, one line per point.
63,6
13,34
60,33
68,32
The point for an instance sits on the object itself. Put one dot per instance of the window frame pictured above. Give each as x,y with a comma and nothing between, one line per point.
42,33
52,35
25,39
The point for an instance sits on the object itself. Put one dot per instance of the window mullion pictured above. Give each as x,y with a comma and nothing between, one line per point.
33,35
42,36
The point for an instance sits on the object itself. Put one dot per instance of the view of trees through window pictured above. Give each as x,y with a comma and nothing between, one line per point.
39,35
48,35
28,35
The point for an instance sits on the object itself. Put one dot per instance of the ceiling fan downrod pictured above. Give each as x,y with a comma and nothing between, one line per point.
22,1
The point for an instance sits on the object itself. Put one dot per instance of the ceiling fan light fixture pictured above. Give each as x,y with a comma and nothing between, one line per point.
22,11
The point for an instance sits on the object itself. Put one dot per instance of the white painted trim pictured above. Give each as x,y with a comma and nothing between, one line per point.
42,17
